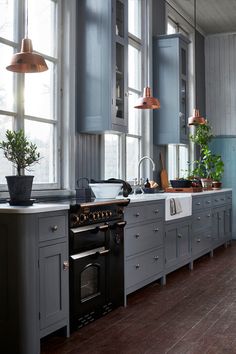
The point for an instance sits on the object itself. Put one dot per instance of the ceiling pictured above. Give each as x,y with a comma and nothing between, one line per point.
213,16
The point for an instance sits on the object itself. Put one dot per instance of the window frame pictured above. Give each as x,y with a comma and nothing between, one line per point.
19,116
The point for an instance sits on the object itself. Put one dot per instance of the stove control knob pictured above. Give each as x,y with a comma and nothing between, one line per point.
95,215
75,219
103,214
82,217
90,216
110,213
120,211
99,215
107,214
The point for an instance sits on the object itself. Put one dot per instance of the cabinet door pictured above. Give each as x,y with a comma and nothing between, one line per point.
53,282
183,240
228,222
170,246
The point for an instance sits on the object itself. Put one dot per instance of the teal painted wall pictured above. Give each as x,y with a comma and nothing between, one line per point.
226,147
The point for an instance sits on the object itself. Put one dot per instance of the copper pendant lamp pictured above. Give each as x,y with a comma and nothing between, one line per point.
147,101
196,118
26,61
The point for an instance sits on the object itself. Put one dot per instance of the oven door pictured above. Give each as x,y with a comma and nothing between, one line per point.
88,280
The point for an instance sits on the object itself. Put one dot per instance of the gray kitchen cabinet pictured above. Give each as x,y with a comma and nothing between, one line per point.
143,244
53,274
170,85
177,244
30,278
102,58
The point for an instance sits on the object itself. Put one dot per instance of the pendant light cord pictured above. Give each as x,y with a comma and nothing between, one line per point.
195,48
26,19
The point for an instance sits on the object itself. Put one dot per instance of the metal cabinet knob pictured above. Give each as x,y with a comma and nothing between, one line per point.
198,203
65,265
208,201
198,240
137,266
155,258
208,215
137,235
137,214
198,218
156,230
179,236
54,228
156,211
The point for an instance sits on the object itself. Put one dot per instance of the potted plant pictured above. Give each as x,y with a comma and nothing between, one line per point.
22,153
209,166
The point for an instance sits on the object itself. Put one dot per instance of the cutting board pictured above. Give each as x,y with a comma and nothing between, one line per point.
163,174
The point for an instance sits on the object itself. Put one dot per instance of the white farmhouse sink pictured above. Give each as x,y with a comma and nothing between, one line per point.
178,205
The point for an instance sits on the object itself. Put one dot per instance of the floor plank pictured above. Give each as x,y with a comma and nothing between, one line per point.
195,313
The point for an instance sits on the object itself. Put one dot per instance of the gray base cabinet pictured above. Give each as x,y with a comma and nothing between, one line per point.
143,244
177,244
34,279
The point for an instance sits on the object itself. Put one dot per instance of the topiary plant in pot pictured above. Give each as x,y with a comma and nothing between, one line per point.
22,153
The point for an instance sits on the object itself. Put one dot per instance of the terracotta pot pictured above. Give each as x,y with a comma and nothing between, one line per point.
216,184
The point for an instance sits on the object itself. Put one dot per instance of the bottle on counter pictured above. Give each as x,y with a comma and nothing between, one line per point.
147,184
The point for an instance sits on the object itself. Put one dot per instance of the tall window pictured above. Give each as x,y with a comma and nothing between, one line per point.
123,152
29,101
178,155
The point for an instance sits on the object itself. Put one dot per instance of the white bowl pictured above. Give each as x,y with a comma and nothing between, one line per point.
106,190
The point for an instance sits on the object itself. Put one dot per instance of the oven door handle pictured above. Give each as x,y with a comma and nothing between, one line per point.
97,251
93,228
120,224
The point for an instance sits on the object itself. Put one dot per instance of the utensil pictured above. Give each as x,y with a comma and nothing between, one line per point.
163,174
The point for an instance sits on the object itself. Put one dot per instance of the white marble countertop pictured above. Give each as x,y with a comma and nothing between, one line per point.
35,208
160,196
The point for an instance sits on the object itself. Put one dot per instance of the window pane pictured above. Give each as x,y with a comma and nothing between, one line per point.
183,161
42,19
39,93
6,166
43,135
172,162
6,79
134,67
134,115
135,18
171,28
132,152
111,156
7,19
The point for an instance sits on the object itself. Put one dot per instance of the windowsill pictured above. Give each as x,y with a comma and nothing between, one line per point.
44,193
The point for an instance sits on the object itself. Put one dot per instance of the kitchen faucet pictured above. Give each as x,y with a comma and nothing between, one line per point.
139,164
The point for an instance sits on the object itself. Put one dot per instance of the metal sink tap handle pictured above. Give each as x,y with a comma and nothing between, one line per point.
139,164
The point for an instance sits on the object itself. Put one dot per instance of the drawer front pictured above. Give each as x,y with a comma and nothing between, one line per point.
202,220
228,197
218,199
201,242
143,267
52,227
201,202
143,212
141,238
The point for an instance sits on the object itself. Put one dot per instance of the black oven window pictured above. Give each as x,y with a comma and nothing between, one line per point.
89,282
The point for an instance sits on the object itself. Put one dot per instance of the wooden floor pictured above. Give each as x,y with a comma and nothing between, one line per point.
194,313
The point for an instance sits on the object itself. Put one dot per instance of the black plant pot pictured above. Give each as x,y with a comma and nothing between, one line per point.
19,188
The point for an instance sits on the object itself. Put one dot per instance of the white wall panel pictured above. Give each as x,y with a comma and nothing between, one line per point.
220,60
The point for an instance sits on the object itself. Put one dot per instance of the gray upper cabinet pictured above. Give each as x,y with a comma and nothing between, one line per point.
170,85
102,60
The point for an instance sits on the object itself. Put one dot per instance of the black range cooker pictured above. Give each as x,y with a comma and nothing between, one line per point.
96,250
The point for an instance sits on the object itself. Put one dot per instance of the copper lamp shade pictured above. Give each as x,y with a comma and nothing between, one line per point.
196,118
27,61
147,101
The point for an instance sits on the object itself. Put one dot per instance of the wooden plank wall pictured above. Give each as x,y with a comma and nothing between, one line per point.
220,60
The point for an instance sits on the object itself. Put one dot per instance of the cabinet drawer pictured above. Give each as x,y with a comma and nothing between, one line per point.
52,227
144,212
202,220
218,199
142,238
143,267
201,242
200,203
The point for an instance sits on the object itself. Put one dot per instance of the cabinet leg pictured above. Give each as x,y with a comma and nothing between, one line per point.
163,280
211,253
190,265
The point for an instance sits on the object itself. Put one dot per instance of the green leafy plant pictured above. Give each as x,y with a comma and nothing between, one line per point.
19,150
209,165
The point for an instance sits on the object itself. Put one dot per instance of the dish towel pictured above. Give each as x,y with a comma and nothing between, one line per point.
175,206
